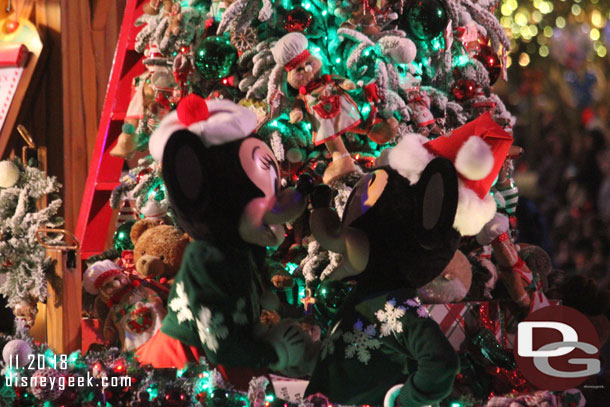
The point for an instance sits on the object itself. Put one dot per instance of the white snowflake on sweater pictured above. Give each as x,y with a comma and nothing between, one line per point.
180,304
360,341
211,328
390,318
328,344
239,316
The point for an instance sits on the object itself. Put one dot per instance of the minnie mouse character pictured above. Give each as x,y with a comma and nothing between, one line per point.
224,188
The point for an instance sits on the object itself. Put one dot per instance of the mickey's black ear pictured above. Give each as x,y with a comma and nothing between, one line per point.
436,202
185,176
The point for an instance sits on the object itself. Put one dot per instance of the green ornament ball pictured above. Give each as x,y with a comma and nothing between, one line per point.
424,19
330,297
121,239
215,58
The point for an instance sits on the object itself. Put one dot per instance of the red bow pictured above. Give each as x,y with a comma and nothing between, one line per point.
316,83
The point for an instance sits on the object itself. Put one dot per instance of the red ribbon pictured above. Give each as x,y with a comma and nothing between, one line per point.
296,61
316,83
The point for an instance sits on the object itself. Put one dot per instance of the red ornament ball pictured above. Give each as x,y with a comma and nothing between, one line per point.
298,20
490,61
464,89
143,173
11,26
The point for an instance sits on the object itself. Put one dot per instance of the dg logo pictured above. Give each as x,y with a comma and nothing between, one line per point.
557,348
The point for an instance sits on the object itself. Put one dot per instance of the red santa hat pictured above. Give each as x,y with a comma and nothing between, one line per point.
99,272
216,122
478,150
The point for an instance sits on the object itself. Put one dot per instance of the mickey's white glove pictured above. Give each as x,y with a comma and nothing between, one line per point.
288,339
390,397
492,229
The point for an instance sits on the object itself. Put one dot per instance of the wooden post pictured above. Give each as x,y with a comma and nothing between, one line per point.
64,302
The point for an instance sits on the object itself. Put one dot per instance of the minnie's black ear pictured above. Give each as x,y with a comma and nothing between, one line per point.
186,179
436,202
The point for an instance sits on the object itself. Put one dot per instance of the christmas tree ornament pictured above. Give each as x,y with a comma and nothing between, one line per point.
330,296
244,39
219,398
41,384
11,25
143,173
16,353
9,174
135,313
214,58
464,89
424,19
121,240
486,342
298,20
490,61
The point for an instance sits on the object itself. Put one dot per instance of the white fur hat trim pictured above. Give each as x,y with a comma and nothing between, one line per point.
227,122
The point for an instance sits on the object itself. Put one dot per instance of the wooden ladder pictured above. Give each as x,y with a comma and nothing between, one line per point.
95,220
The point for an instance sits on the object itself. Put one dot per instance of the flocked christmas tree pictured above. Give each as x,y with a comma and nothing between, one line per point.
23,259
333,84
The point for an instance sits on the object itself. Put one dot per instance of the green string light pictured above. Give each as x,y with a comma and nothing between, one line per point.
291,267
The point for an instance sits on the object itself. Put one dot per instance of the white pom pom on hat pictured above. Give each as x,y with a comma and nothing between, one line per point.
474,159
216,122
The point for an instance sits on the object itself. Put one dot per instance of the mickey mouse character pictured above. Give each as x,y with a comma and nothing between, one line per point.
224,188
396,235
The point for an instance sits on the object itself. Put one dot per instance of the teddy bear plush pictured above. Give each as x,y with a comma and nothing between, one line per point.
158,249
396,236
134,312
224,189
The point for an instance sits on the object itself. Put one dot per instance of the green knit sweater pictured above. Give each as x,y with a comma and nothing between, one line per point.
385,340
215,304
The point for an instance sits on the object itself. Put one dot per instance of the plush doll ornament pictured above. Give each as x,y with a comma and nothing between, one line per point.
135,312
223,186
149,101
25,315
154,6
418,103
395,237
324,101
158,249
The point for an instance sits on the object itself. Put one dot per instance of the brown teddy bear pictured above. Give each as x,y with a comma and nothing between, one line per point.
158,249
